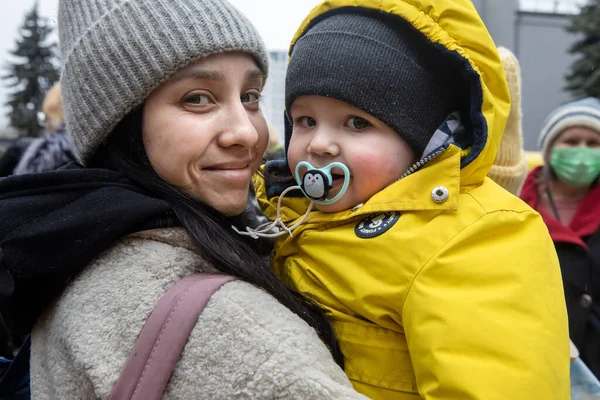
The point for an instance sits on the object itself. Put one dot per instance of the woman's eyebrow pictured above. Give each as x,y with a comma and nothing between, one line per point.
199,73
255,73
214,75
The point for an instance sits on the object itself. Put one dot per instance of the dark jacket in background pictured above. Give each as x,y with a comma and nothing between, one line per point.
46,153
578,249
12,155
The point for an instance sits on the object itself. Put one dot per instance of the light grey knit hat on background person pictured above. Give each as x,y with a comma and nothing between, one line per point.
581,113
114,53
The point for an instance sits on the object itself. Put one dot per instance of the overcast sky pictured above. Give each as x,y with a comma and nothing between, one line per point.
276,20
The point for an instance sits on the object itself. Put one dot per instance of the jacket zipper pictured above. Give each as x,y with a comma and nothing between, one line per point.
420,164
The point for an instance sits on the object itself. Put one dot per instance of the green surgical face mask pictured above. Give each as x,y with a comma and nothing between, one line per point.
576,166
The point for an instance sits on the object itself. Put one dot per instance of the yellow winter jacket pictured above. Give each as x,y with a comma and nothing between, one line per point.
458,298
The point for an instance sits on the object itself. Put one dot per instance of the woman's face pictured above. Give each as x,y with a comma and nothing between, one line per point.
204,132
578,136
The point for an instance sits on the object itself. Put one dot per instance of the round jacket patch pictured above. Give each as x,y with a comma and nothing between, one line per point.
376,224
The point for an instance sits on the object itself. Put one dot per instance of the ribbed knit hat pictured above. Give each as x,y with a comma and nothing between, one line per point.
380,64
510,166
116,52
580,113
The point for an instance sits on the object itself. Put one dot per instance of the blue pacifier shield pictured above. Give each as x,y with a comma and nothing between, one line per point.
316,183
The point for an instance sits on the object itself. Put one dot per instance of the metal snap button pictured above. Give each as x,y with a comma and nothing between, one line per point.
440,194
586,300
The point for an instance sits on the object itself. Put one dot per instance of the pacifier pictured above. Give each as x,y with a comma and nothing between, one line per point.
316,183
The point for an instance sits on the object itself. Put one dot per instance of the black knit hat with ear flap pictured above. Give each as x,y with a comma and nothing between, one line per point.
380,64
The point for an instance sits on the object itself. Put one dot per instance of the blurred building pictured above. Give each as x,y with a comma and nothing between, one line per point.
535,31
273,95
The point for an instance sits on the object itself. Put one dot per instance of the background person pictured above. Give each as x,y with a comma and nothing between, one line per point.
565,192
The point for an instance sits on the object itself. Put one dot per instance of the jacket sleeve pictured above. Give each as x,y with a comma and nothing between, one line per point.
486,317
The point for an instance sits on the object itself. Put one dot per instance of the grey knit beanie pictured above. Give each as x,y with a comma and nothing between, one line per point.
116,52
380,64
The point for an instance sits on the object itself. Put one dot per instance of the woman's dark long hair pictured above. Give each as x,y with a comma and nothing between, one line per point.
211,232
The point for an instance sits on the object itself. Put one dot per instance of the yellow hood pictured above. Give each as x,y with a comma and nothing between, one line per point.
455,25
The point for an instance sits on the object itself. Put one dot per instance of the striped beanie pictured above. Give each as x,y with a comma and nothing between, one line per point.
114,53
583,113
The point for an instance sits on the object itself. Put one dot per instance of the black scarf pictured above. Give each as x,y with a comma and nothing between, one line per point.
53,224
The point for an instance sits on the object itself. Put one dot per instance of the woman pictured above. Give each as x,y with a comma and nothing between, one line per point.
565,192
162,102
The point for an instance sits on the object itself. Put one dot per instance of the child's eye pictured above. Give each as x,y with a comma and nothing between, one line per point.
305,122
357,123
250,97
197,99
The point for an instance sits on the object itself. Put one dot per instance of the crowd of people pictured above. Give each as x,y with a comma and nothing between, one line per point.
381,251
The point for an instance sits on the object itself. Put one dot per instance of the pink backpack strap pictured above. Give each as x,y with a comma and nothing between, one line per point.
161,341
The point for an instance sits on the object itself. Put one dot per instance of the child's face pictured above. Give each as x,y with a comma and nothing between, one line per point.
327,130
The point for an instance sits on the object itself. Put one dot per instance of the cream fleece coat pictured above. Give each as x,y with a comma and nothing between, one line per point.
246,345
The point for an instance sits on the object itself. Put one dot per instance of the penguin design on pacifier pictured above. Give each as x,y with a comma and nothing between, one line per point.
315,185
